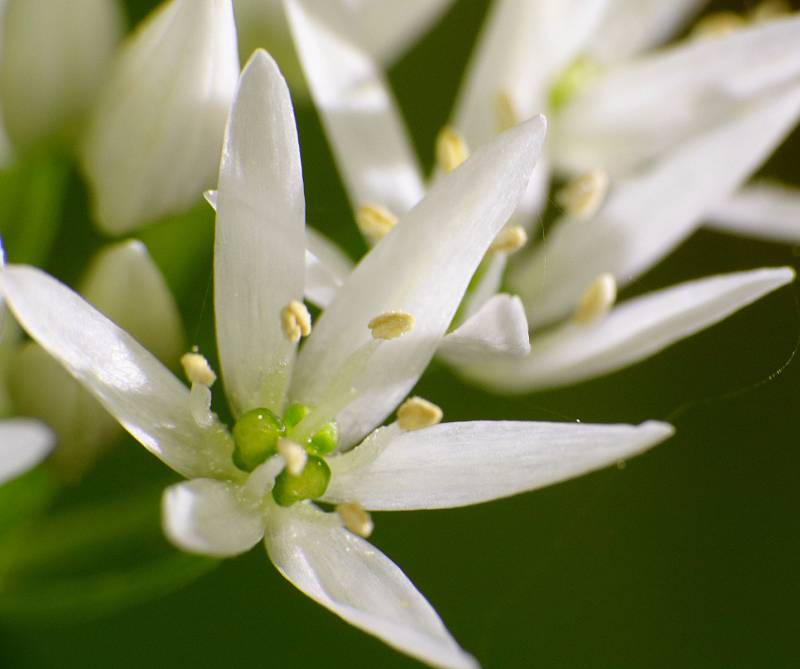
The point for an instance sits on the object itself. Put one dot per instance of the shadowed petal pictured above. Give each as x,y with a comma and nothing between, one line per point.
761,210
23,444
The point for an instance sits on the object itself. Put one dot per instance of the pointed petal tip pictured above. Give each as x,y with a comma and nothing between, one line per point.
657,430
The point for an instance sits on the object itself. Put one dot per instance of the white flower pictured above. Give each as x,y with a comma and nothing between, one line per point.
306,410
23,444
677,132
154,137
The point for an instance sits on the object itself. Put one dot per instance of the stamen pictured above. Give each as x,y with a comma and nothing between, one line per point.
509,240
583,196
416,413
355,519
295,321
767,10
294,455
375,221
718,24
451,149
391,325
505,111
597,300
200,405
197,369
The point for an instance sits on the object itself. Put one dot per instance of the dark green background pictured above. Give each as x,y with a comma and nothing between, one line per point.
686,557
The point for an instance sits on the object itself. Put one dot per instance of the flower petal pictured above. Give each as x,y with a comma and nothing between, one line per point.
648,214
457,464
498,328
363,124
259,256
422,267
327,267
127,380
631,332
23,444
352,578
762,210
207,516
153,143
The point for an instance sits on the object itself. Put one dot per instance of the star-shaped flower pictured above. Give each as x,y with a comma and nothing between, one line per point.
669,136
305,421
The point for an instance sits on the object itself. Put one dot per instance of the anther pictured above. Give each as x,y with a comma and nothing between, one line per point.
597,300
718,24
295,321
294,455
416,413
583,196
391,325
509,240
505,110
197,369
451,149
375,221
355,519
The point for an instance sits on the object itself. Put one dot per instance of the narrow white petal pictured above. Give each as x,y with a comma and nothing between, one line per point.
631,332
23,444
423,267
647,215
259,256
127,380
763,210
632,26
352,578
207,516
149,312
368,137
327,267
498,328
641,110
456,464
153,144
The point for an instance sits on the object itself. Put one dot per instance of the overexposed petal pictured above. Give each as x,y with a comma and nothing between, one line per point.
357,582
457,464
763,210
129,382
636,329
648,214
327,267
363,124
207,516
153,143
423,267
498,328
259,256
23,444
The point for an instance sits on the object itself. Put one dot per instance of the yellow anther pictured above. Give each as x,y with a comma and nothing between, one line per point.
597,300
451,149
583,196
355,519
197,369
505,110
375,221
509,240
294,455
391,325
416,413
295,321
767,10
718,24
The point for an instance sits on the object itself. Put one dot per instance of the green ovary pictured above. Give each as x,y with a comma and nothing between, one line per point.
256,436
311,483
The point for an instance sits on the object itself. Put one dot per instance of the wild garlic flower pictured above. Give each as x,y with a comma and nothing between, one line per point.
724,104
306,420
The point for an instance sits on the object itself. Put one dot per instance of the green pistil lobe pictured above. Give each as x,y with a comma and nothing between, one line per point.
311,483
294,414
256,435
576,75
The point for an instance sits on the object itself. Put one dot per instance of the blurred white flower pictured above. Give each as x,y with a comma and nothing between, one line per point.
305,421
656,144
23,444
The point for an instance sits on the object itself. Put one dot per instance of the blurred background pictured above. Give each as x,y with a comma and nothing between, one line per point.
686,556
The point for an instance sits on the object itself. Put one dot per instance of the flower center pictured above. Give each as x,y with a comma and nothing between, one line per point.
572,80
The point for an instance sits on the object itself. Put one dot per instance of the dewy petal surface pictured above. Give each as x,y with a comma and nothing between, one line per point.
352,578
457,464
128,381
369,140
635,330
259,255
206,516
762,210
647,215
423,267
23,444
